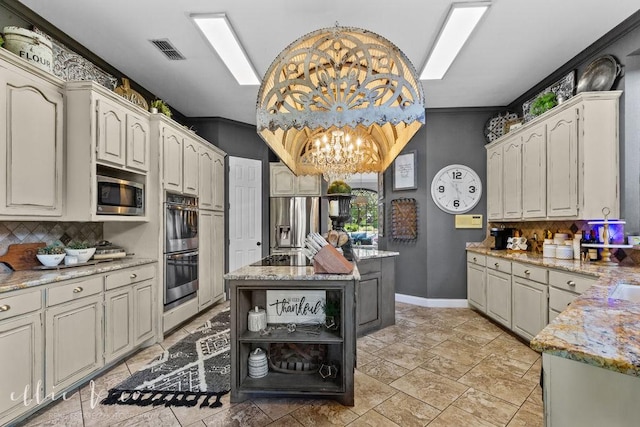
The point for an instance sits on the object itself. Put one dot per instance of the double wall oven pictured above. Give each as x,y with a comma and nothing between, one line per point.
180,250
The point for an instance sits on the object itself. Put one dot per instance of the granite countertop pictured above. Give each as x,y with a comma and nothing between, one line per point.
363,253
30,278
251,272
595,328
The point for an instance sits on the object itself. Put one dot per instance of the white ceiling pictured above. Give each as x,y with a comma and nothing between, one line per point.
516,45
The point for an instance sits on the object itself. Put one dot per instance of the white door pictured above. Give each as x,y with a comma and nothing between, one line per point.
245,212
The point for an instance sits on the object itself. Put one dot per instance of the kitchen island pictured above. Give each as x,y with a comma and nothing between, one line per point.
329,373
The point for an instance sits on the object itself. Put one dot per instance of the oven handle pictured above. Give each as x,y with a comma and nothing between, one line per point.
181,207
182,255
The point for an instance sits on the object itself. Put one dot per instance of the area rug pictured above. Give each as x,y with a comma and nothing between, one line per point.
195,370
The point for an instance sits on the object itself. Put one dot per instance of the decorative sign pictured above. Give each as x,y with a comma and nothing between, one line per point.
126,92
404,172
296,306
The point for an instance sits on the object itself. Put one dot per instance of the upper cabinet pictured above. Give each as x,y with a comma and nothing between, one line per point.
561,165
31,141
211,194
283,183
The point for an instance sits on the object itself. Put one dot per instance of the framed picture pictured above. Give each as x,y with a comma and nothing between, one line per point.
513,124
381,186
405,175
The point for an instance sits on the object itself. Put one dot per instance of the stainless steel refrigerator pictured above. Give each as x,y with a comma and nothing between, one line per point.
292,218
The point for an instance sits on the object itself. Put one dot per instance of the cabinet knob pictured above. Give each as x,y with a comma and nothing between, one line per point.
496,264
5,307
571,283
133,275
78,289
527,272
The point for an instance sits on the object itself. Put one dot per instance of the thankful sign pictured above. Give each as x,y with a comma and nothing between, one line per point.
295,306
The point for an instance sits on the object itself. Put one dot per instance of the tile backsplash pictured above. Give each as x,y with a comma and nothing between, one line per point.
12,232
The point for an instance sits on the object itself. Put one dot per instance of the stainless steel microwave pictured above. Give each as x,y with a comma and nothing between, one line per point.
119,197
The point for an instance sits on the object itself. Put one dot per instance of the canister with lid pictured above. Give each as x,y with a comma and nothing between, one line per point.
257,364
257,319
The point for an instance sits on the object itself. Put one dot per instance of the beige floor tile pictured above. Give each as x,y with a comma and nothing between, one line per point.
98,388
404,355
173,338
505,363
370,344
383,370
373,419
486,406
457,352
68,404
533,374
324,413
364,357
431,388
446,367
159,416
405,324
242,414
186,415
453,416
73,419
276,408
197,424
512,349
419,338
389,335
411,317
535,398
439,334
286,421
143,358
104,415
369,392
469,339
482,330
407,411
528,416
498,384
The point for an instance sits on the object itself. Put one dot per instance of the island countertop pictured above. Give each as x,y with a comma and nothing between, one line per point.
595,328
363,253
251,272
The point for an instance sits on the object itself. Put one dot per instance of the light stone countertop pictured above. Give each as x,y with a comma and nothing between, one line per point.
362,253
251,272
30,278
595,328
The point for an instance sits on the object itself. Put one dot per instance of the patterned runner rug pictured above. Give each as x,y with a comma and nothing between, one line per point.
195,370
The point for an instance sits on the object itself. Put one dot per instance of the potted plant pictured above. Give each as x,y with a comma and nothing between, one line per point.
80,250
50,255
159,106
543,103
339,187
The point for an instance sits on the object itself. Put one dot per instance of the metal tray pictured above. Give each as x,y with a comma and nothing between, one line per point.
599,74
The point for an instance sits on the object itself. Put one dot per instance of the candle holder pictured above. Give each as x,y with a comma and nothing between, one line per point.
340,213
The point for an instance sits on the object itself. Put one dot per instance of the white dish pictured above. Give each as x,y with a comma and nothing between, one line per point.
83,255
50,260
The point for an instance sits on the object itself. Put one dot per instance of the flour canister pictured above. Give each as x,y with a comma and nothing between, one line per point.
257,319
29,46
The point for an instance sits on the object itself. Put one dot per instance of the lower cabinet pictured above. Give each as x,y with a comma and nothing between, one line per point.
476,282
375,294
368,302
211,258
143,309
118,323
529,304
499,294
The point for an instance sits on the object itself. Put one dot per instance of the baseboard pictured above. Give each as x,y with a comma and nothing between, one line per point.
432,302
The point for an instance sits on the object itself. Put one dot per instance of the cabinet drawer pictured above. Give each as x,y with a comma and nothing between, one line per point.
477,259
499,264
74,291
570,281
20,304
527,271
129,276
559,299
367,266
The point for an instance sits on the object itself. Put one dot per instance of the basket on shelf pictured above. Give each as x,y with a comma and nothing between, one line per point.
295,358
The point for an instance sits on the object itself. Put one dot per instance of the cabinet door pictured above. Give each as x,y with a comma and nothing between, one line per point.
205,258
530,307
73,342
137,143
207,179
219,246
171,160
512,178
282,180
308,185
562,165
494,182
20,364
143,309
191,160
499,297
111,132
534,173
476,287
118,323
219,182
31,146
368,302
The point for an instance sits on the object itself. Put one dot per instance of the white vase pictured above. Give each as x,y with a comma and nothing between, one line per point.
153,110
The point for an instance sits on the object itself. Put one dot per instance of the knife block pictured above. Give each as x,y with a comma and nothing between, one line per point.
329,261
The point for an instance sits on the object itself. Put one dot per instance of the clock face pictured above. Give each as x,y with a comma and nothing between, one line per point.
456,189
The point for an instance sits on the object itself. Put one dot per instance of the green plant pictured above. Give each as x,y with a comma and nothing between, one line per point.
339,187
161,106
331,308
51,250
78,245
544,102
1,41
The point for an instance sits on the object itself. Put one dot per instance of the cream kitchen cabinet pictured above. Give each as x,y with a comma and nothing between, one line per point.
564,287
172,158
143,311
283,183
191,166
534,175
562,164
219,181
21,363
211,258
118,314
499,290
477,281
31,141
529,293
495,183
211,190
512,178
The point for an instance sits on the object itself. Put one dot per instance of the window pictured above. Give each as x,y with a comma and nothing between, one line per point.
363,225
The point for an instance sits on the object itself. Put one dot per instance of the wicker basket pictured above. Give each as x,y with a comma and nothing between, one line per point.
292,358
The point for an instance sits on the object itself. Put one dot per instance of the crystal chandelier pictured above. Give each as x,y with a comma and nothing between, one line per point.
331,88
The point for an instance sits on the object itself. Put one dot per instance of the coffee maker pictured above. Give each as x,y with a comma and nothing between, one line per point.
501,235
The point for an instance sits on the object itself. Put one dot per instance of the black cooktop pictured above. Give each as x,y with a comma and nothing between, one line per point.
287,260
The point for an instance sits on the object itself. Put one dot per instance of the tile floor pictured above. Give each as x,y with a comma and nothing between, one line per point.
435,367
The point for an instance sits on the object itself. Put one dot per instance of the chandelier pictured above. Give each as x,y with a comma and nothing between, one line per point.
339,101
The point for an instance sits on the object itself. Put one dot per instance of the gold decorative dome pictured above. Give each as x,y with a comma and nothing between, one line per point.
339,100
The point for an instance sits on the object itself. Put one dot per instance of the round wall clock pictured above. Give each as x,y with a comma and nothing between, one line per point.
456,189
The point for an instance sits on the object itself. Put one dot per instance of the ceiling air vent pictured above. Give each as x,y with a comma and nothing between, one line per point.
167,49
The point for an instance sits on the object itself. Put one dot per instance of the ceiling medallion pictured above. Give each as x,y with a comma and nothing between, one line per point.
342,85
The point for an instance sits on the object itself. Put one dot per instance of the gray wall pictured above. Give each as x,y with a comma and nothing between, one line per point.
434,266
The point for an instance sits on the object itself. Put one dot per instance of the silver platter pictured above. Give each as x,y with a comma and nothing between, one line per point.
599,74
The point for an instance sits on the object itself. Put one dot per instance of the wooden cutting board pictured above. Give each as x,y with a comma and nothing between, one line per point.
22,256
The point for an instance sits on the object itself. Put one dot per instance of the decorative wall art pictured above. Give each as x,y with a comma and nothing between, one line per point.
405,172
296,306
495,126
125,91
563,88
404,219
